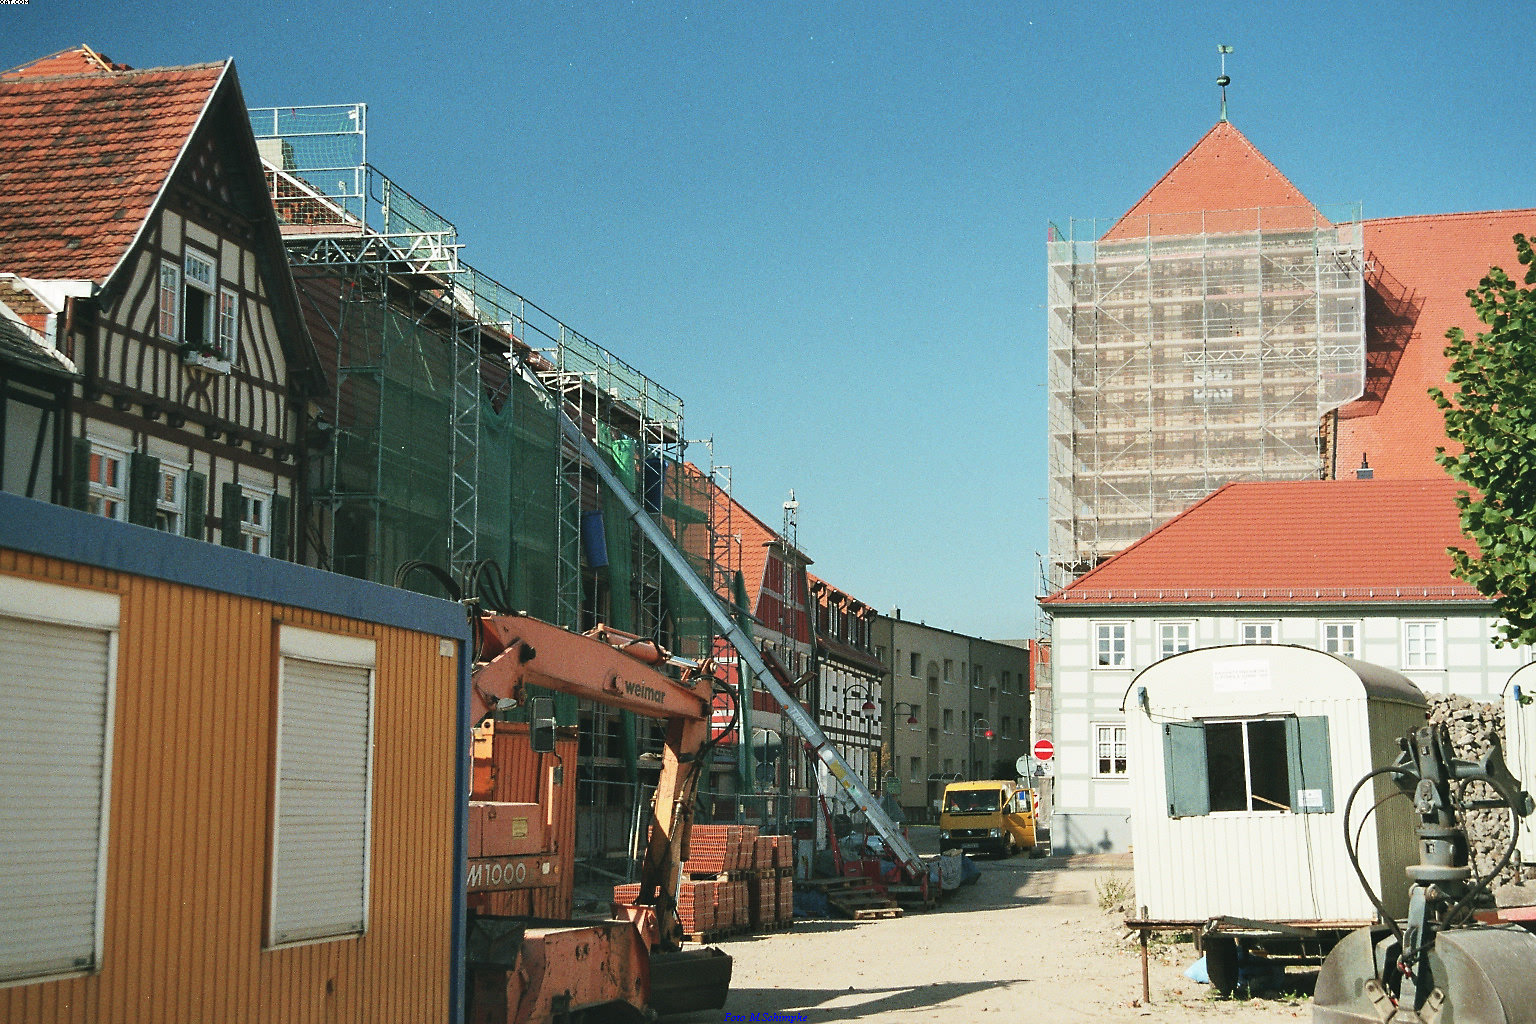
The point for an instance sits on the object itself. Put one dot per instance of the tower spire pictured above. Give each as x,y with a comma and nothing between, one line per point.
1223,80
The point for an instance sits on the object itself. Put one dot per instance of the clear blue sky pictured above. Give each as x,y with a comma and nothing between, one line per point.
823,225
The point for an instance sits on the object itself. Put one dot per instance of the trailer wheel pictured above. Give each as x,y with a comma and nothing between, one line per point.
1221,963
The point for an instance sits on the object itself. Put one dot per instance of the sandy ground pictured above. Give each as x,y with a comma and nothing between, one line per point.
1026,942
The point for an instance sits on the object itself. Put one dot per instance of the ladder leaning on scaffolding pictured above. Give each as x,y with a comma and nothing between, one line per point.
771,676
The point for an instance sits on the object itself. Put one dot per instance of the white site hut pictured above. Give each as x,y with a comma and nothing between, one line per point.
1520,746
1242,759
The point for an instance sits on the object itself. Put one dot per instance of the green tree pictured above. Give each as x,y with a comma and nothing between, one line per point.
1490,412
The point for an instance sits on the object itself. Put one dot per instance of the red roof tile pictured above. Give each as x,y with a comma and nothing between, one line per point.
1310,540
1417,288
83,157
78,60
1220,185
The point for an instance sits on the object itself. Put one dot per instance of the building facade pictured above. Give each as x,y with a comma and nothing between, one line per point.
166,296
957,707
1354,568
850,682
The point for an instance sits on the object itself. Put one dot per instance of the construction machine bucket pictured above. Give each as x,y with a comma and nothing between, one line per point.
1480,975
695,979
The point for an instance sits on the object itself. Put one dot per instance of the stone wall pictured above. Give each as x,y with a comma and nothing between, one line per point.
1471,723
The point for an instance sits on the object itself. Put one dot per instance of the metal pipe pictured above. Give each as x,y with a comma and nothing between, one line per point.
837,767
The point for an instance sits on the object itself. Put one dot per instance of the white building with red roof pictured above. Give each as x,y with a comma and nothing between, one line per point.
1358,568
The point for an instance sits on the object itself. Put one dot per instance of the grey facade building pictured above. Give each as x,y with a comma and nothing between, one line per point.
957,707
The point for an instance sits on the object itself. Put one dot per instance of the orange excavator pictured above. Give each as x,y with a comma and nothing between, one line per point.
532,968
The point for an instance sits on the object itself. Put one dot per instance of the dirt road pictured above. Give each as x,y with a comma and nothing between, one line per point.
1026,942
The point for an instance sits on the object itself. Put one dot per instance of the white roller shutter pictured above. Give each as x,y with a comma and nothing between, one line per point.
324,766
55,717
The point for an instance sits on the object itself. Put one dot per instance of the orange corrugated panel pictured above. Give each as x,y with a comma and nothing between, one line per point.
189,828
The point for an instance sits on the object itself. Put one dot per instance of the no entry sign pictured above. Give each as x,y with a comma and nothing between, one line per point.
1043,750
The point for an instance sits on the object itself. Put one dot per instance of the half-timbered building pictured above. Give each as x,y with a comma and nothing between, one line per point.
144,255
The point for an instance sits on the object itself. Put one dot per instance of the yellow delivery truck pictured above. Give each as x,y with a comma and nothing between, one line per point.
993,816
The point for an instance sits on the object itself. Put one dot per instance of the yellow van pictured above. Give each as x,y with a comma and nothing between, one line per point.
992,815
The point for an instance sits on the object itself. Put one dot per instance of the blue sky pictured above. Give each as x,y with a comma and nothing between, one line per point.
823,225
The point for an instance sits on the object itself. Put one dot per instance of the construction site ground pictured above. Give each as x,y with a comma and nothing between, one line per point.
1030,940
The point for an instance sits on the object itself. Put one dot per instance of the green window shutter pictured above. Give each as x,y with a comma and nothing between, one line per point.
197,506
1189,788
80,473
143,478
1310,763
229,503
280,506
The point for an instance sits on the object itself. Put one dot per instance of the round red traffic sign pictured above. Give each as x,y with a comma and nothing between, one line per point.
1043,750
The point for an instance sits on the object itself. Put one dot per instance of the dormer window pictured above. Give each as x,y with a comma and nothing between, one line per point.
197,314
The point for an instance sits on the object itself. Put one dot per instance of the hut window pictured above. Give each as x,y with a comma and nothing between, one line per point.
322,814
1258,765
1340,638
1110,644
58,651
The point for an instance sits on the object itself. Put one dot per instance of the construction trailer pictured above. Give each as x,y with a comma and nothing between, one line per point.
433,448
166,706
1243,758
1520,743
1185,351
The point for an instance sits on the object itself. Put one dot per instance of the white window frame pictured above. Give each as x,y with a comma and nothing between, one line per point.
229,324
256,533
1258,632
1332,637
1111,644
35,601
170,301
915,768
947,720
1169,640
171,513
1430,643
100,492
285,927
200,273
1110,737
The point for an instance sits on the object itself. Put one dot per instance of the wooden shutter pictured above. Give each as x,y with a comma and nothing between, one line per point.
80,474
1184,768
280,512
1310,763
143,482
197,506
229,533
54,732
320,851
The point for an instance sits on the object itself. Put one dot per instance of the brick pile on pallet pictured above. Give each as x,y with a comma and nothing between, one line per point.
695,904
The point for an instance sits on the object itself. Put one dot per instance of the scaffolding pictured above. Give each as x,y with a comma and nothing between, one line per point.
434,449
1188,351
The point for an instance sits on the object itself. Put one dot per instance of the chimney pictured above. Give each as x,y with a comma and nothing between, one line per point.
1365,472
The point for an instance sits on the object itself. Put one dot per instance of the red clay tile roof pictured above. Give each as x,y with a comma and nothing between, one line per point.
755,536
1223,184
78,60
1416,290
1365,541
83,158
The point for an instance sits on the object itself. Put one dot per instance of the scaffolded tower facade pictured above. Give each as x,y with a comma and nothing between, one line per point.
1185,351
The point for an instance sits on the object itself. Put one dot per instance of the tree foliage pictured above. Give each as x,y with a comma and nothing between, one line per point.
1490,411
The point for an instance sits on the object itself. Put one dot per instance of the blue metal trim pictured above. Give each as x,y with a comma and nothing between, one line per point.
39,528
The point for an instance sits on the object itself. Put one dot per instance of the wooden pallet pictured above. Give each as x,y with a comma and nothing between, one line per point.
857,898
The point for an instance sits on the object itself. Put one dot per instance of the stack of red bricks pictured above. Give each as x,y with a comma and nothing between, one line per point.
696,903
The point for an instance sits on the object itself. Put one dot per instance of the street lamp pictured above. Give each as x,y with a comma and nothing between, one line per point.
911,712
981,729
866,716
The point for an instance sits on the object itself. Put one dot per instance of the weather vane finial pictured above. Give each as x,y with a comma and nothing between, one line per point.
1223,81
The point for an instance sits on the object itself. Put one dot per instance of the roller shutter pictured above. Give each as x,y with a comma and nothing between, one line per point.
320,850
55,703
